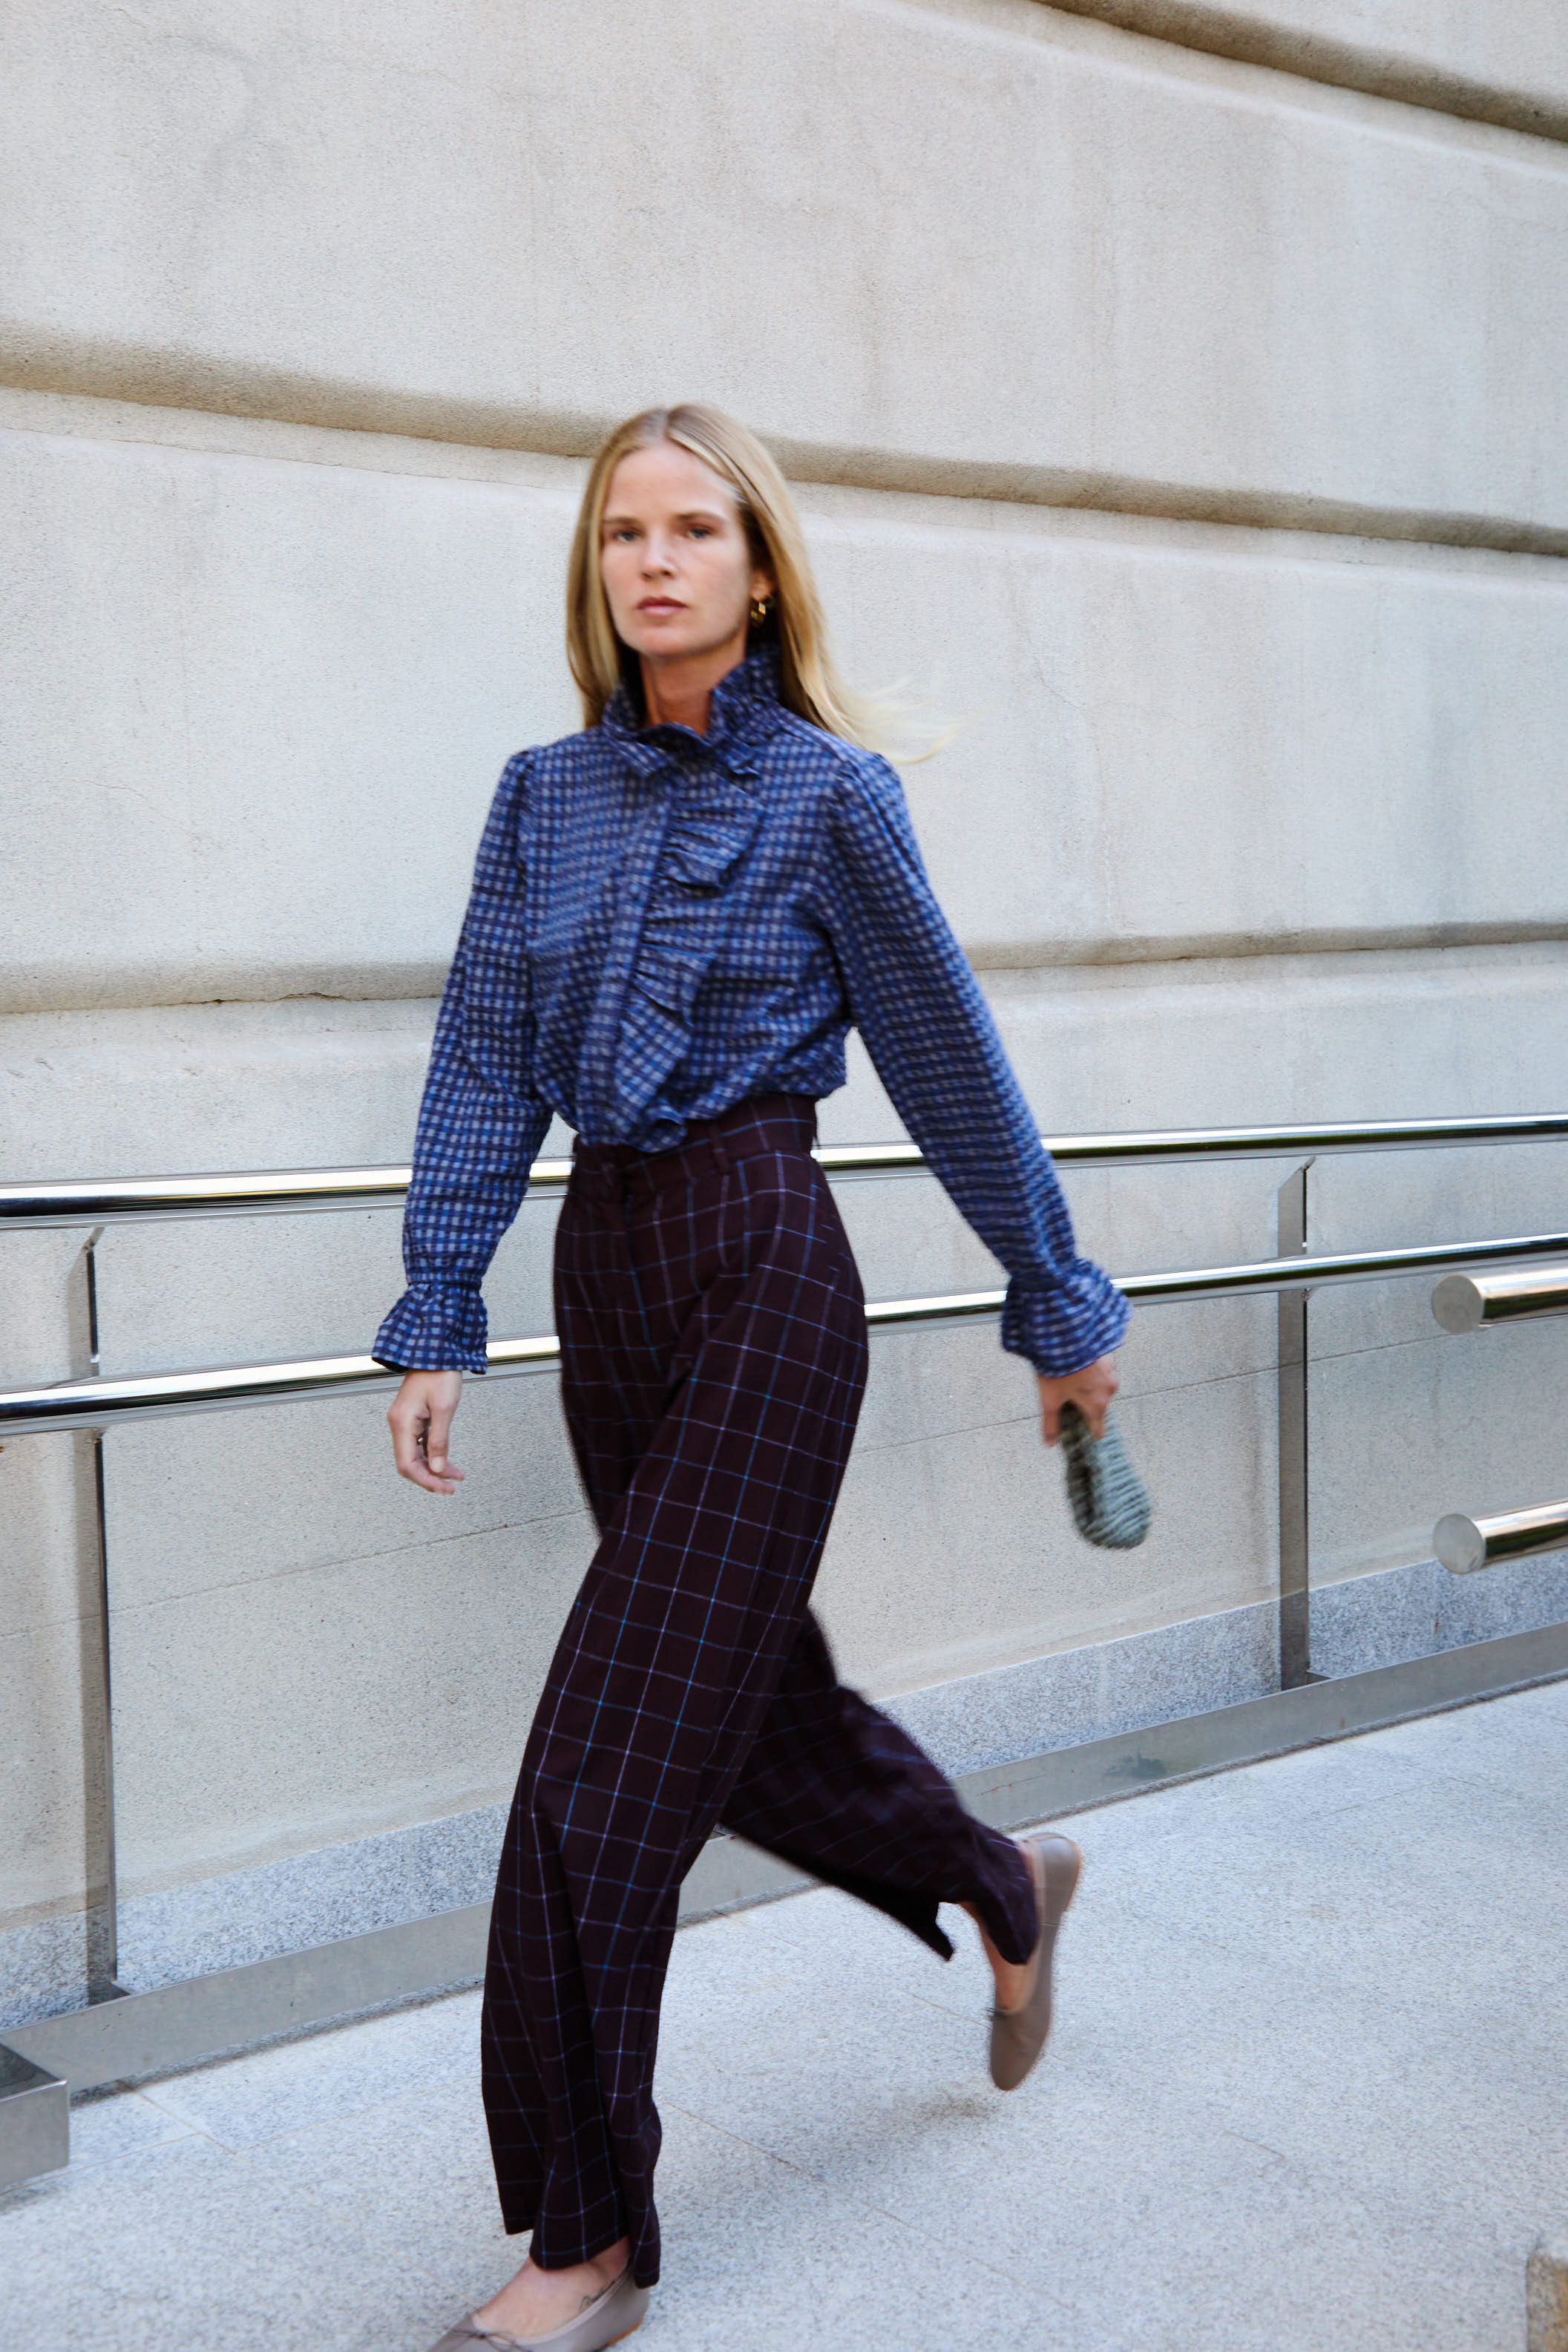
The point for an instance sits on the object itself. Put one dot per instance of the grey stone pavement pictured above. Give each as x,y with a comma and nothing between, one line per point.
1307,2090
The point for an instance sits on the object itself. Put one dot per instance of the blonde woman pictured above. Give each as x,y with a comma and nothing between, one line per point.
677,916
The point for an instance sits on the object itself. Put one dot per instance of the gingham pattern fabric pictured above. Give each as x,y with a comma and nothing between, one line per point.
663,924
1110,1502
714,1354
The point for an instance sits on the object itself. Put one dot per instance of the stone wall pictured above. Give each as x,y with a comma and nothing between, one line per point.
1179,411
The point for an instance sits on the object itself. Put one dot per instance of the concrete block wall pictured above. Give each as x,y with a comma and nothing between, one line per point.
1507,64
1186,430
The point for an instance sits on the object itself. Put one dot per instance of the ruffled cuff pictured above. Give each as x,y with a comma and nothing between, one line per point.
435,1326
1064,1323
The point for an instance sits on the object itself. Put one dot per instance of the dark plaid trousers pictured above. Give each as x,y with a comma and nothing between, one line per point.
714,1356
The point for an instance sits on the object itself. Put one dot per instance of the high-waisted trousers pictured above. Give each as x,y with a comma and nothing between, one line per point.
714,1354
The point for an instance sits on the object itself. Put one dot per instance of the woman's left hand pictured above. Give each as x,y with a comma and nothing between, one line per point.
1090,1390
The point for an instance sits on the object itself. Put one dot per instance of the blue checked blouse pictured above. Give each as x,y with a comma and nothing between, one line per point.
663,924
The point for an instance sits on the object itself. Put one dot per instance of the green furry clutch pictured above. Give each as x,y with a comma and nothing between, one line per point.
1110,1504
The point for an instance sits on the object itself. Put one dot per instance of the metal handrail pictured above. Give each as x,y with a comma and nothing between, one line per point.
96,1404
1463,1302
100,1403
137,1199
1465,1545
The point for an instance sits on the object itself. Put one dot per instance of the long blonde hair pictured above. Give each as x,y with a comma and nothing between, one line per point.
809,684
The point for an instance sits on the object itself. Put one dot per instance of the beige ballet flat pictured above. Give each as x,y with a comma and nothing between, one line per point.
1018,2035
609,2317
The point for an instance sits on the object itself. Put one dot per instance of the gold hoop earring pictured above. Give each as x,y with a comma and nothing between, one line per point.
761,606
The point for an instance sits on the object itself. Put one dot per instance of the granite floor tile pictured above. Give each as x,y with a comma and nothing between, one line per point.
851,1958
186,2249
754,2242
1086,2175
1304,2094
761,2258
411,2176
1520,1734
239,2101
1015,2181
1284,2262
115,2124
1430,2111
1375,1899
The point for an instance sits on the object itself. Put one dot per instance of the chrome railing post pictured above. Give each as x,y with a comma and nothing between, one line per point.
103,1877
103,1922
1295,1584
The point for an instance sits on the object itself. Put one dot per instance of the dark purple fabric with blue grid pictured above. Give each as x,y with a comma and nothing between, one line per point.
664,924
713,1350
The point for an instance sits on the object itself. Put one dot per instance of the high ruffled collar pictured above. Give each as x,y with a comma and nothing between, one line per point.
743,709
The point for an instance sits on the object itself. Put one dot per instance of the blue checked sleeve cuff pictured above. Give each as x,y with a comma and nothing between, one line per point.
435,1326
1064,1323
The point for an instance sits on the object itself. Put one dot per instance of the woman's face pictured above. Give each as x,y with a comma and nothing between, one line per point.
677,567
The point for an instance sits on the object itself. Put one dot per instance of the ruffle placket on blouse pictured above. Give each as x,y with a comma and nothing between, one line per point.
712,822
709,832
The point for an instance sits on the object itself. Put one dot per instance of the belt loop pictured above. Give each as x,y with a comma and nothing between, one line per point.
721,1155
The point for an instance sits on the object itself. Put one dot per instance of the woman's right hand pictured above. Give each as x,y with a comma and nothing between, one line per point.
420,1419
1090,1390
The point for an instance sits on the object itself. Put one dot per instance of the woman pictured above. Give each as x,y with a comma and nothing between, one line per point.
676,915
